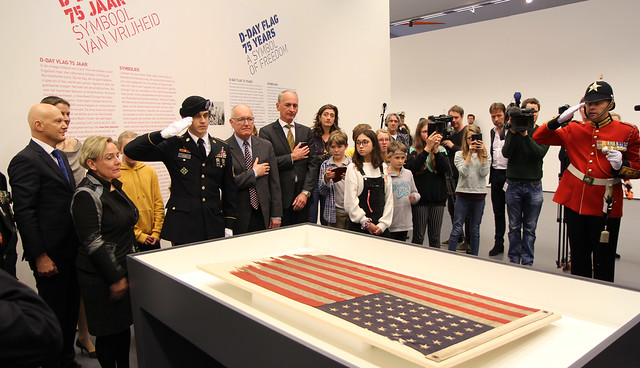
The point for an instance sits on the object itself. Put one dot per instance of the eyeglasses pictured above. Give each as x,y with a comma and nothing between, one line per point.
242,120
362,143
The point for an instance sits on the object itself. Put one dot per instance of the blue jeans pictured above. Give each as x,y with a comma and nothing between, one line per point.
475,207
524,202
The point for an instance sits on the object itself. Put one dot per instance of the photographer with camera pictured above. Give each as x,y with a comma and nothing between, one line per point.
523,195
602,151
452,142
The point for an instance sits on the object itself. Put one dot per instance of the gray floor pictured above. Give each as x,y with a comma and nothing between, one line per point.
546,248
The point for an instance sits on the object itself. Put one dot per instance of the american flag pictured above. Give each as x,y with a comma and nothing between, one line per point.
422,315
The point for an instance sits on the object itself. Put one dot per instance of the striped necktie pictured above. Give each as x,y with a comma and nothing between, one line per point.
290,137
253,194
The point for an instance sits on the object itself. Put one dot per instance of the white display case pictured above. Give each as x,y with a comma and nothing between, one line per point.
186,317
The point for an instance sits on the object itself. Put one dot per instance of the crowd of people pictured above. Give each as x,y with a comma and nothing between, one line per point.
81,207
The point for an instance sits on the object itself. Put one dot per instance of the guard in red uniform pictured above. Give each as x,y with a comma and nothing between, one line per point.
602,151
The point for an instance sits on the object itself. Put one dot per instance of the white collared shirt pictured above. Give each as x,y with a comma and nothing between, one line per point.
499,162
207,143
286,130
47,148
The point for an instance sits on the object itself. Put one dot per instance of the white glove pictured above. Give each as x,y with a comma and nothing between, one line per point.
228,232
565,116
614,157
177,128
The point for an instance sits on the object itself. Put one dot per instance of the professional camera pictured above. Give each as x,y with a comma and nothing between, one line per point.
562,109
440,124
519,118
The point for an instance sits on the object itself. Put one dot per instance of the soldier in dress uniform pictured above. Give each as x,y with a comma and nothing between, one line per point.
602,152
202,204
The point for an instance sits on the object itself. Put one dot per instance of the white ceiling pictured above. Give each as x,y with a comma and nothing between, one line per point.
400,10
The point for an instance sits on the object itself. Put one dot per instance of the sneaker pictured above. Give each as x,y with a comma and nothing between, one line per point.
463,247
446,243
497,249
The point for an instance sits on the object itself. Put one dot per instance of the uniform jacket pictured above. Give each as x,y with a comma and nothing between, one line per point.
41,203
142,187
196,209
294,176
581,140
267,186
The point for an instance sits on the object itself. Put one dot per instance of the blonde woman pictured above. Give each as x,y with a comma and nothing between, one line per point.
473,163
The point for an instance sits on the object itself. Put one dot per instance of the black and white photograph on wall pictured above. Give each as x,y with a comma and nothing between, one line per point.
216,113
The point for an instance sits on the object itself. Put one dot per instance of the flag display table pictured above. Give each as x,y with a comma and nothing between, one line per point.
424,322
297,296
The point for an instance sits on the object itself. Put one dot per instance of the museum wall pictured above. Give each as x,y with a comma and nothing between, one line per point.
129,64
551,54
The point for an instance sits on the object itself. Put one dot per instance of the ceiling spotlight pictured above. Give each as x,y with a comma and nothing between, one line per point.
529,1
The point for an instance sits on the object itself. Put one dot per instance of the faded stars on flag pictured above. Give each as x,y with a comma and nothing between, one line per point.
421,328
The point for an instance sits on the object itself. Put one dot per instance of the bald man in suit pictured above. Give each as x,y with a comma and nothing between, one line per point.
43,185
255,174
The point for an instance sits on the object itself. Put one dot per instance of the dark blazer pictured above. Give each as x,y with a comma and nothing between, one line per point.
8,231
30,334
42,204
267,186
303,170
196,210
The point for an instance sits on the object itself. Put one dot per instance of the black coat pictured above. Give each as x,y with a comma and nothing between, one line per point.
196,210
8,232
104,220
432,186
29,331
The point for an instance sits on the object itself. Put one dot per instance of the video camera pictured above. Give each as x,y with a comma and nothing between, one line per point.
440,124
520,118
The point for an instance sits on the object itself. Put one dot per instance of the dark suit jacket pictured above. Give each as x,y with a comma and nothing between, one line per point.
303,170
42,204
267,186
29,333
8,254
196,210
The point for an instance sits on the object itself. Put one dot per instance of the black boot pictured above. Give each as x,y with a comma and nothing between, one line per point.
497,249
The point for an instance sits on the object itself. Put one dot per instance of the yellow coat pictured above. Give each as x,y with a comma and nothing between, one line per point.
142,187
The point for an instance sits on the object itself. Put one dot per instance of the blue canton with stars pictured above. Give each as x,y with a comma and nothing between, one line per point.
419,327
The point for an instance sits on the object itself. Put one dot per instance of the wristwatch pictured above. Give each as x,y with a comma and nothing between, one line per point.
307,193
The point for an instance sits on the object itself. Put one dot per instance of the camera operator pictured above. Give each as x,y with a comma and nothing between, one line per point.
498,175
524,188
601,151
453,145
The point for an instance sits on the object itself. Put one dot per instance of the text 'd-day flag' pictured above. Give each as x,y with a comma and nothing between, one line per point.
436,320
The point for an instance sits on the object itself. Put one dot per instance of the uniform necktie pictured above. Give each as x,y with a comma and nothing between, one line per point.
290,137
201,149
58,157
253,194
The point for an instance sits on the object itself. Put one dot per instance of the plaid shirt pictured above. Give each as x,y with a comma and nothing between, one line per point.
327,190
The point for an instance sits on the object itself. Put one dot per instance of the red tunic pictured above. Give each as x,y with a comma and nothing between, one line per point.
581,140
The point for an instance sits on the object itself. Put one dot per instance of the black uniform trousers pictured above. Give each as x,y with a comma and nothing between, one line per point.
589,257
